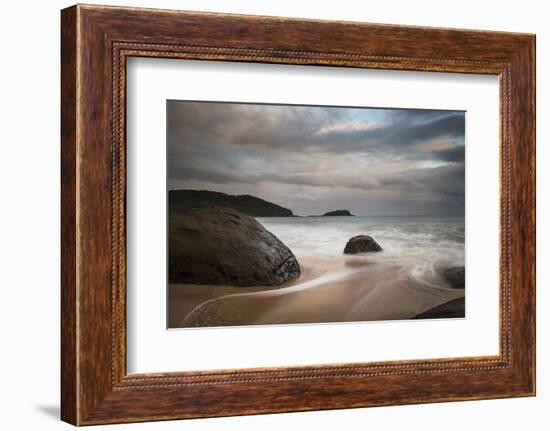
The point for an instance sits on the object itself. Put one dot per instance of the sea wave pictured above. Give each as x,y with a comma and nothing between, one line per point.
398,283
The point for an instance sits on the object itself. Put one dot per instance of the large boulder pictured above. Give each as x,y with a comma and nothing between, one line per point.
454,277
361,244
219,245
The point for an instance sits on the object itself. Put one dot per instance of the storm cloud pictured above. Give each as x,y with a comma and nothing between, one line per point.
314,159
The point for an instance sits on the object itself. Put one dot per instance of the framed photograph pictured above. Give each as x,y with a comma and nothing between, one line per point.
237,259
264,214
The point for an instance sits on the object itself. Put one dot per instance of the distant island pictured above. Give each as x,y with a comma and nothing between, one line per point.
246,204
344,213
335,213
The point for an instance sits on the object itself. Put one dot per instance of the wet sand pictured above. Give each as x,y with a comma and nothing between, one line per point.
329,290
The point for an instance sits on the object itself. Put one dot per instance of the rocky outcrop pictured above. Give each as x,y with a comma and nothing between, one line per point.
454,277
448,310
246,204
222,246
361,244
340,213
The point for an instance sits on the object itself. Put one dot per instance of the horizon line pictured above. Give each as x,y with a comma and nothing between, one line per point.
320,215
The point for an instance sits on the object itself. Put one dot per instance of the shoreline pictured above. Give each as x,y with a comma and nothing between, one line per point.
329,290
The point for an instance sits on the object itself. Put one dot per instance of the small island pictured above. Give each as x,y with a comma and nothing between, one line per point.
338,213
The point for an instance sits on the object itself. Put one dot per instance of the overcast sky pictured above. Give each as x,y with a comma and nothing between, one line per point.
316,159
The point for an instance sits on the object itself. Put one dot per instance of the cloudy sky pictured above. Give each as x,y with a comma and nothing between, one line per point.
316,159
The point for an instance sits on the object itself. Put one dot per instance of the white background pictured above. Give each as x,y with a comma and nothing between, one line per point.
151,348
29,227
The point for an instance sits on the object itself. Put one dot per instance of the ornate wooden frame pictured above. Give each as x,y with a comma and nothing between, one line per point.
95,42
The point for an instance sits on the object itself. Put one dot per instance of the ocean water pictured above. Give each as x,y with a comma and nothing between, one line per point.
397,283
421,246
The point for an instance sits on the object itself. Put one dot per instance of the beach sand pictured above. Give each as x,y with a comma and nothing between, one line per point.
354,288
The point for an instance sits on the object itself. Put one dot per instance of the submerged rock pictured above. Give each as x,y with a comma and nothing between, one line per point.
451,309
454,276
361,244
219,245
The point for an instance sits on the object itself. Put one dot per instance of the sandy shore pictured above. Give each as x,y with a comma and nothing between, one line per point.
329,290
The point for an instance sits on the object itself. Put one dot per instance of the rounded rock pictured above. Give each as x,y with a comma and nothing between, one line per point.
361,244
454,276
221,246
